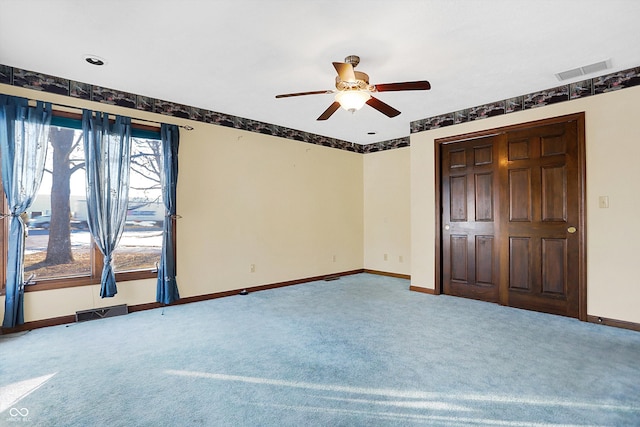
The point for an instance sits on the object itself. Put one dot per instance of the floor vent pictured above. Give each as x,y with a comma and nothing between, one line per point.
330,278
584,70
100,313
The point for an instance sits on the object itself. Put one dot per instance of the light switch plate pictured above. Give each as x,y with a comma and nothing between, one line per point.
603,202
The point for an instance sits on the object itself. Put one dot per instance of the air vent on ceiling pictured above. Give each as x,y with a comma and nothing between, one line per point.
585,69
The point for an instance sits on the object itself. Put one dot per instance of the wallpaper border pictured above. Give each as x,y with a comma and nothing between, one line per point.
567,92
43,82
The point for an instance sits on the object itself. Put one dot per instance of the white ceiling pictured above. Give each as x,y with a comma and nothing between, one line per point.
234,56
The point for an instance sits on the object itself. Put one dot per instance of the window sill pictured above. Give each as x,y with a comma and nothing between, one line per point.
72,282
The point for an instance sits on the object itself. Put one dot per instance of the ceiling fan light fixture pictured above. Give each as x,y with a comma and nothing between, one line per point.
352,100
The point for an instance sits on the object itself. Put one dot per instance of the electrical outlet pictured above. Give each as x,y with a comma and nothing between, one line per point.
385,257
253,268
334,258
400,258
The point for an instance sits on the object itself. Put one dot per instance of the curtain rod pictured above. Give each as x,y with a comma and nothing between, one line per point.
185,127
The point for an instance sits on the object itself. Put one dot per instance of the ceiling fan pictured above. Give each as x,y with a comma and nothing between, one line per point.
353,90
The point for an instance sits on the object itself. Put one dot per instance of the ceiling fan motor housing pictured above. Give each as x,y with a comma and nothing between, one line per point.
361,82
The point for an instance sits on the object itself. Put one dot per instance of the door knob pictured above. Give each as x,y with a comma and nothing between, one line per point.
572,230
446,227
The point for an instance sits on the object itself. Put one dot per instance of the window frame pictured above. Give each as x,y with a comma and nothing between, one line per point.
72,120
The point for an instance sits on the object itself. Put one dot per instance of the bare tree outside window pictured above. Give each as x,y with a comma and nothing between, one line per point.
51,248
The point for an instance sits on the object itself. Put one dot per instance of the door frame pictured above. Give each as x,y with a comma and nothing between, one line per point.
582,213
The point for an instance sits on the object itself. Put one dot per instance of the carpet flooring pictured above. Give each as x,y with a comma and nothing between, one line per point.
359,351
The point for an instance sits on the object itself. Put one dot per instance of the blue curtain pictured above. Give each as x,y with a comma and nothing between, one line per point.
24,135
107,148
167,289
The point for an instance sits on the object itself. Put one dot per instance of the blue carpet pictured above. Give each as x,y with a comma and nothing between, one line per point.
359,351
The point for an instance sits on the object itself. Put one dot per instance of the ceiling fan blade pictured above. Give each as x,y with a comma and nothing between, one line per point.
391,87
316,92
329,111
345,71
385,109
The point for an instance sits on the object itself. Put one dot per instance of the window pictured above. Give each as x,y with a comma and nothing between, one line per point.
59,250
141,242
58,243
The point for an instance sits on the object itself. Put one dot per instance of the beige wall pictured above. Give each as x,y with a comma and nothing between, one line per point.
387,219
286,207
613,234
292,209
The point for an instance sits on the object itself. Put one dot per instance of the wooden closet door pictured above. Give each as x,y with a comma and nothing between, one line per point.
540,210
469,232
